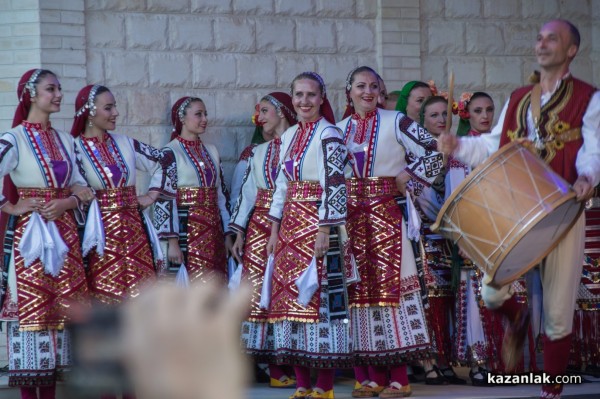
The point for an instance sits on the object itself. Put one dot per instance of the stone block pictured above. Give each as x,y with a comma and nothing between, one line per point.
7,57
485,38
5,31
19,17
126,68
446,38
469,72
402,50
72,17
26,57
224,138
433,8
170,69
275,34
289,66
190,32
256,71
500,9
434,67
355,36
294,8
520,38
235,34
464,9
334,70
74,43
400,25
208,7
20,43
49,42
160,6
22,4
336,8
49,16
147,107
70,5
214,70
22,30
253,7
95,66
105,29
316,36
583,69
540,9
366,9
411,38
75,71
59,29
502,73
146,31
234,107
63,56
575,10
116,5
400,3
392,13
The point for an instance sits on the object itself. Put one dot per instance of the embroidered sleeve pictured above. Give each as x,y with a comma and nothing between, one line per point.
223,199
166,218
161,166
9,159
332,159
281,185
425,162
237,180
245,201
588,157
78,179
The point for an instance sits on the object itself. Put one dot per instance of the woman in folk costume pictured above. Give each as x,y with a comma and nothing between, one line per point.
585,349
194,227
258,137
411,97
309,201
253,228
478,333
41,283
387,316
433,117
125,264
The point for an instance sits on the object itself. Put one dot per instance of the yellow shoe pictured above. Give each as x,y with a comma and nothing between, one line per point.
395,390
301,393
285,382
318,395
357,385
367,391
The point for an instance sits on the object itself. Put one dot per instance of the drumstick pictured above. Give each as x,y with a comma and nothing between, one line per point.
449,111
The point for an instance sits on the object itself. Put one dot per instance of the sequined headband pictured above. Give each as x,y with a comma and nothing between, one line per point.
279,105
90,103
348,83
182,107
30,85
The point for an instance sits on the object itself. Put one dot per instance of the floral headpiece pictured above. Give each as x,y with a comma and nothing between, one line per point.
433,88
255,120
462,105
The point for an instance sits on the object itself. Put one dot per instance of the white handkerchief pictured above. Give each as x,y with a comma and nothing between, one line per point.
182,279
35,240
58,254
307,283
236,278
230,267
265,293
93,234
414,220
152,235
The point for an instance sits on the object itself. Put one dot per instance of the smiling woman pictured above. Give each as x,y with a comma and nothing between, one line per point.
39,289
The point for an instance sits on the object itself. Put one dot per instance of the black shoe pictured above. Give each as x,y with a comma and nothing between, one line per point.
435,377
450,376
480,378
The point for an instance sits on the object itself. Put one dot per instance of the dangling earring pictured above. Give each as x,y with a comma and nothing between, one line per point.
90,123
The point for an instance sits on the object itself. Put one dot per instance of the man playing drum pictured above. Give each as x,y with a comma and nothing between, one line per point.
560,115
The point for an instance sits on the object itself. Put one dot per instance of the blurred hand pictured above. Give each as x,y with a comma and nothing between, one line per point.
583,188
238,247
447,143
185,344
401,180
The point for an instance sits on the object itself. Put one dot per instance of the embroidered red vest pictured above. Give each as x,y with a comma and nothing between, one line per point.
561,119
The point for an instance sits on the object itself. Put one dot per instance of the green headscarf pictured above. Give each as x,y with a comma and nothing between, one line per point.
257,137
403,96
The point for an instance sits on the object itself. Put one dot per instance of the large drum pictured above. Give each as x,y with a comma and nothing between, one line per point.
509,213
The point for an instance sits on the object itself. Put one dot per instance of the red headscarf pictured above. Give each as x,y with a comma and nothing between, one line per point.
24,88
177,114
84,105
283,102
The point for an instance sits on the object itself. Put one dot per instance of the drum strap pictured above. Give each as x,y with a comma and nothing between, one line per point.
536,110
